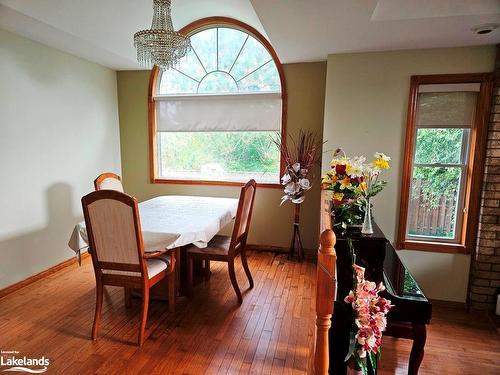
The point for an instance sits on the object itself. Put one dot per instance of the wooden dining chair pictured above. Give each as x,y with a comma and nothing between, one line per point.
117,249
111,181
108,181
227,248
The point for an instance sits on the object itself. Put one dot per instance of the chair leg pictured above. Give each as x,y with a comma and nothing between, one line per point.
144,314
232,276
207,269
178,270
245,267
128,296
98,309
190,265
171,291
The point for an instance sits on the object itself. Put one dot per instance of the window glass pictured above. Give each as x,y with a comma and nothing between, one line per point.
204,44
441,145
218,156
434,202
230,44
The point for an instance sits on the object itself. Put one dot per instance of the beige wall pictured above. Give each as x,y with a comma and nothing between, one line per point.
365,111
58,130
271,224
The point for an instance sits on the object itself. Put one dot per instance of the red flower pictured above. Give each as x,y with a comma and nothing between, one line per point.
340,168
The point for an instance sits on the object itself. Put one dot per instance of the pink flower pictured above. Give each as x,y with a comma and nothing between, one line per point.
370,313
350,297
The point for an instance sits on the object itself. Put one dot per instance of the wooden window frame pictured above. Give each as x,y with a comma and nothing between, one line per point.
190,29
475,164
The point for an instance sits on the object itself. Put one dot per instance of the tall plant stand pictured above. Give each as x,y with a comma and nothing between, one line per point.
296,245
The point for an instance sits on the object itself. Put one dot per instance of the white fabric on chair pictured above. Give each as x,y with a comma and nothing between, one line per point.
111,183
114,231
155,266
172,221
217,245
158,264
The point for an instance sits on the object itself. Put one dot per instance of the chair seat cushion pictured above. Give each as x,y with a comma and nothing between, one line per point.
219,245
155,266
158,264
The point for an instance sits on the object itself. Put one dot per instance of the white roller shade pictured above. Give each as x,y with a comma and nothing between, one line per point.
450,87
238,112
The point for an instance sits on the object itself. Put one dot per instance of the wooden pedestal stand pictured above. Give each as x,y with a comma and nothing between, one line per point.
296,245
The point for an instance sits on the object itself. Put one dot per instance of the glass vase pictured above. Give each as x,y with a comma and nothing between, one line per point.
367,222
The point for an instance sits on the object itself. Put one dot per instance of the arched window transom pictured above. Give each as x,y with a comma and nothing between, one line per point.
223,60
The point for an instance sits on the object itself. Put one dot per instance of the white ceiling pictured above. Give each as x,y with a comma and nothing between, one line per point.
310,30
102,30
300,30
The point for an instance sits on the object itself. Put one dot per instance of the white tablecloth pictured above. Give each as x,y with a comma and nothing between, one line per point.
173,220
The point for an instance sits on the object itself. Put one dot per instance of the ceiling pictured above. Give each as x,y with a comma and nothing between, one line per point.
309,30
300,30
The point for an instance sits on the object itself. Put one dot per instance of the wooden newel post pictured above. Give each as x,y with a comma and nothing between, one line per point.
326,290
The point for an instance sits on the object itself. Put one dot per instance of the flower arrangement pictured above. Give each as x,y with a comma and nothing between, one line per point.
300,154
370,320
353,182
296,184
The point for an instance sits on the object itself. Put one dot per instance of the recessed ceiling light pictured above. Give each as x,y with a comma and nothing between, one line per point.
485,28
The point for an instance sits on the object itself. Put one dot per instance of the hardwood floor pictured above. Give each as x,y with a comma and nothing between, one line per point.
270,333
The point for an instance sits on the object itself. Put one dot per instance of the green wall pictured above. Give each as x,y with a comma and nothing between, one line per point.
271,224
365,111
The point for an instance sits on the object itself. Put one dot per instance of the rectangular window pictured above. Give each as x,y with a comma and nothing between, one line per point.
443,162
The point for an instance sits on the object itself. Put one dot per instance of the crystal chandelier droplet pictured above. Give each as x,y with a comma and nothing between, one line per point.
161,45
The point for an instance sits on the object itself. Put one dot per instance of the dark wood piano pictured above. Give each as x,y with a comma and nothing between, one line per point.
411,311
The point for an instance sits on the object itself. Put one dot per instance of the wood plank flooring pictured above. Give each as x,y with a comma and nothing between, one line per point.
271,333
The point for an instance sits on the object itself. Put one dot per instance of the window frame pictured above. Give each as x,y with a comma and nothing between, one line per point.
475,165
190,29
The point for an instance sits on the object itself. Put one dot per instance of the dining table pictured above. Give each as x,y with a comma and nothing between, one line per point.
172,221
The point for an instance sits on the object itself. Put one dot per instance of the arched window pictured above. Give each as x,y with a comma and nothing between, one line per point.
213,117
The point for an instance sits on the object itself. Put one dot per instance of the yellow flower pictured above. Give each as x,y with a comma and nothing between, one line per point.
381,163
337,196
363,186
345,183
326,179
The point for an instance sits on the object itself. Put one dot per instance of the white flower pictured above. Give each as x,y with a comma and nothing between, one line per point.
381,155
303,172
285,179
304,184
355,170
298,200
284,198
291,188
359,159
296,167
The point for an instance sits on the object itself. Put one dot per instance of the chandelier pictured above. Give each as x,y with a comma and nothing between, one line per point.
161,45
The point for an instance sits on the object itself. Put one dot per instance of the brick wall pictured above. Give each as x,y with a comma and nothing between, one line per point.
485,279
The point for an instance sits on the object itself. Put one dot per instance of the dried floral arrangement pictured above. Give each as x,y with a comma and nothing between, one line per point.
300,154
